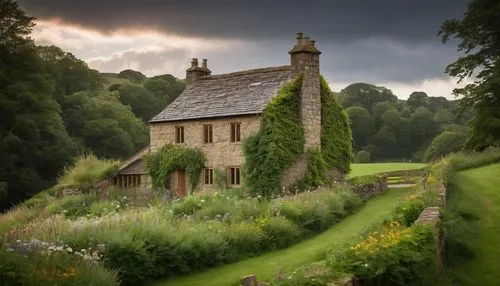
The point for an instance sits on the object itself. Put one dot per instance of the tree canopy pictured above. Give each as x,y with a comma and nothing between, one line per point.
478,35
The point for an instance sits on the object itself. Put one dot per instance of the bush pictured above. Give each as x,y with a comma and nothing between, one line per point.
407,211
87,171
363,157
463,161
279,232
28,266
101,208
244,238
73,206
396,255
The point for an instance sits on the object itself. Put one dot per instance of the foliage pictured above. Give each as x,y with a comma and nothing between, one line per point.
133,76
86,171
36,263
142,103
316,169
362,157
445,143
279,232
407,211
478,34
464,160
105,126
362,125
73,206
336,138
366,95
279,141
170,158
34,144
395,255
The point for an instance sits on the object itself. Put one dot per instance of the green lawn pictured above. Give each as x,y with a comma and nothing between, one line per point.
313,249
374,168
479,194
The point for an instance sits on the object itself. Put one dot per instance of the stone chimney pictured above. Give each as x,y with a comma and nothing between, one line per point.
305,61
195,72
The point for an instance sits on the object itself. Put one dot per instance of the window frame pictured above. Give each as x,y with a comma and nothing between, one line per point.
208,174
235,176
179,134
208,134
235,132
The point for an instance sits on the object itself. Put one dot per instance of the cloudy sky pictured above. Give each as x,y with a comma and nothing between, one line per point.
386,42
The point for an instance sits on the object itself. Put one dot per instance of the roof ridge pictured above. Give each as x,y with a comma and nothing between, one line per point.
247,72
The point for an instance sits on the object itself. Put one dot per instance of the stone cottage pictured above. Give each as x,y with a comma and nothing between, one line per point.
215,113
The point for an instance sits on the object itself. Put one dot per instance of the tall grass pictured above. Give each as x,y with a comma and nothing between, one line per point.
464,161
86,172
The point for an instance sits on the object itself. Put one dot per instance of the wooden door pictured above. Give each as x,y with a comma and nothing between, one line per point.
181,183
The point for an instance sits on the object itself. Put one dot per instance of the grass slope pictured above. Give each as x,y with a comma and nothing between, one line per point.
375,168
479,191
265,266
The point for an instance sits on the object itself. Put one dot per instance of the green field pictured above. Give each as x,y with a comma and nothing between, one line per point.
311,250
479,195
375,168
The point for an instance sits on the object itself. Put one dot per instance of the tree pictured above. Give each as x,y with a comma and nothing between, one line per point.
445,143
143,104
34,144
385,142
15,26
379,109
366,95
133,76
478,33
361,125
103,125
417,99
423,127
362,157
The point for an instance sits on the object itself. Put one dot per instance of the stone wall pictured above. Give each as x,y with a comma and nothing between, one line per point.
220,154
370,189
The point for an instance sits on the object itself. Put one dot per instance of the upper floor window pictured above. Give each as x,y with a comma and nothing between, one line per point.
209,176
179,134
235,132
207,134
234,175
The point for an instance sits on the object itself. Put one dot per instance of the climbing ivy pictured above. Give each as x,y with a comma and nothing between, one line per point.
316,168
336,137
170,158
279,141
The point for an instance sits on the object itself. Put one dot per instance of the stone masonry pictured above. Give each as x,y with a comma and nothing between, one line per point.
220,154
305,61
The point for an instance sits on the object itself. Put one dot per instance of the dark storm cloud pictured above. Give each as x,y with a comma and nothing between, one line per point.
406,20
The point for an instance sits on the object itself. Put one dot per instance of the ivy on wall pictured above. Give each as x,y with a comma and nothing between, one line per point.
280,140
170,158
336,137
316,168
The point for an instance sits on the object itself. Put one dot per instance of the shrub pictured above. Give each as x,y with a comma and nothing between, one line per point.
395,255
463,161
314,274
279,232
188,205
101,208
407,211
244,238
363,157
87,171
73,206
29,266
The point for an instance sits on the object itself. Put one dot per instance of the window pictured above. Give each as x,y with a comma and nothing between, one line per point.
179,134
234,174
207,134
235,132
209,176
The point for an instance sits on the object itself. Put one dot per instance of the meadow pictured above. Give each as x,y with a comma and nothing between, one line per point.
363,169
475,213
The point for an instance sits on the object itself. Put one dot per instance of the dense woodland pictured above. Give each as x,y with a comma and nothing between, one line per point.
53,107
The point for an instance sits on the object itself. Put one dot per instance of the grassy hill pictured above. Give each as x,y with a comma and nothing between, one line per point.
478,196
376,168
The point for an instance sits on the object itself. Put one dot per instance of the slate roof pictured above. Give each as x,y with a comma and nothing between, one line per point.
239,93
134,164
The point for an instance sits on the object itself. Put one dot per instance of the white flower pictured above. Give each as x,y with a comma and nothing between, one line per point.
69,249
